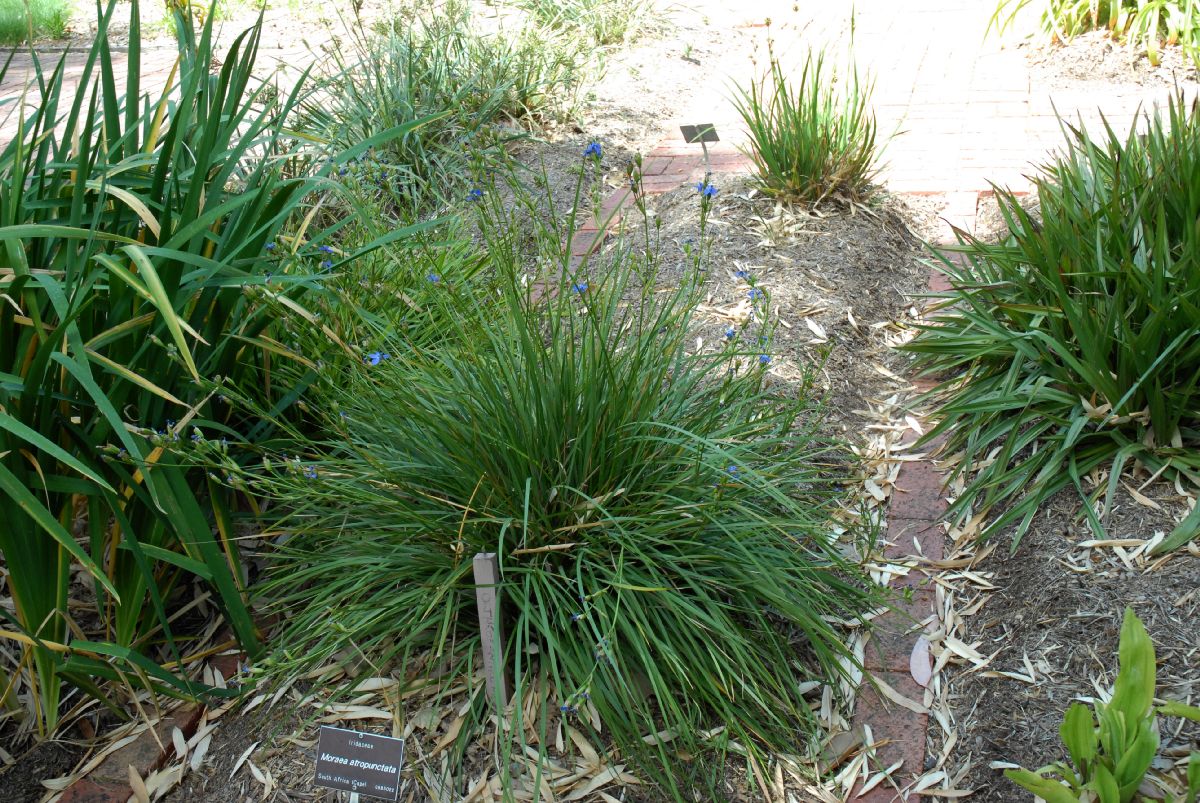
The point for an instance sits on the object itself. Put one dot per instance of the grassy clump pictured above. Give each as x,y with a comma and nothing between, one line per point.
813,139
663,520
462,82
1075,342
43,17
604,22
1143,24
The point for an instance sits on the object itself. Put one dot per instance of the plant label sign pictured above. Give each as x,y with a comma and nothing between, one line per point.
702,132
363,763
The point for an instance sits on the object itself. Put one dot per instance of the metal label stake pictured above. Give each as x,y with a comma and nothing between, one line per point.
702,133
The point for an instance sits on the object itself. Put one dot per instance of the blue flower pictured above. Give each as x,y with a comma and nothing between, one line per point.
754,294
325,249
741,274
763,359
592,150
375,357
733,470
730,332
580,287
310,472
706,189
270,246
326,264
433,277
475,194
575,617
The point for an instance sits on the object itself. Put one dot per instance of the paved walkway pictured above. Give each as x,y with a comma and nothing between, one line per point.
963,107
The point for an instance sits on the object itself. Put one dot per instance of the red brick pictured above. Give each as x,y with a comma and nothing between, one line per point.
731,163
621,199
898,733
109,781
894,635
902,532
684,166
655,165
918,494
938,281
586,242
86,790
656,185
669,149
227,663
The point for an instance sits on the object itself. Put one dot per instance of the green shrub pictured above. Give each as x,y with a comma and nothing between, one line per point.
1112,750
1075,343
465,81
813,139
147,254
605,22
663,522
43,17
1147,24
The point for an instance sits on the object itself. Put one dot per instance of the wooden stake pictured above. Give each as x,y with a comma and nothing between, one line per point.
491,628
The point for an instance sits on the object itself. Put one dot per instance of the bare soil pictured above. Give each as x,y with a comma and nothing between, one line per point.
1057,609
834,283
1096,60
22,780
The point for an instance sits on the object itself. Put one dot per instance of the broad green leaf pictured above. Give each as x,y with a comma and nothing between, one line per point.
1133,691
1104,785
1174,708
1045,788
1133,764
175,559
137,379
1078,733
166,309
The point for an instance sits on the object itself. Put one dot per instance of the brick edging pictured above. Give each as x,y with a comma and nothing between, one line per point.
915,511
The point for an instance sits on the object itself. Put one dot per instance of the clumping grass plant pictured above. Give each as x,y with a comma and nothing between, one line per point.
663,519
1142,24
1074,344
604,22
462,81
812,138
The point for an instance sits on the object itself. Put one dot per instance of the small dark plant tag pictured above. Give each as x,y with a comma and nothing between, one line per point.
365,763
702,132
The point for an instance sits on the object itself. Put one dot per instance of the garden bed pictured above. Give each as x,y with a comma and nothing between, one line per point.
1015,637
813,268
1045,621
